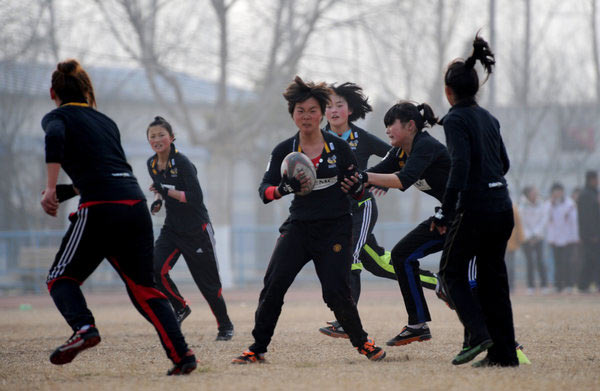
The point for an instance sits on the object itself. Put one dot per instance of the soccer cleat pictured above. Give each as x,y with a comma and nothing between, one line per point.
185,366
443,295
486,363
373,352
520,355
225,334
408,335
84,338
334,330
182,314
468,353
249,357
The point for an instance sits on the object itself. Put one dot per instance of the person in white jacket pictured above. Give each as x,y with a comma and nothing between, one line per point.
534,217
562,234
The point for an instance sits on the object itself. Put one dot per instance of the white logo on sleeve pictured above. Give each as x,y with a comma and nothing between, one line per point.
199,251
269,163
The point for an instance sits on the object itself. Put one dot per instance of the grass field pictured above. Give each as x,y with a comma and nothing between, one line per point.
560,334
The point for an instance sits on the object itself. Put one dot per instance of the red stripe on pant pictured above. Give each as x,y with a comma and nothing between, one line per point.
142,294
166,268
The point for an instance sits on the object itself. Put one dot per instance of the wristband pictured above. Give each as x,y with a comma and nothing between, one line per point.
65,192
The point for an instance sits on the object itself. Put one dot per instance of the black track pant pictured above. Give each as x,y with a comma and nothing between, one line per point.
328,244
122,234
369,254
415,245
563,266
199,253
481,235
534,257
590,269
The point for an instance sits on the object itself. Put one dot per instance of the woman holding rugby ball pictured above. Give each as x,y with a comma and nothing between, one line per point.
319,226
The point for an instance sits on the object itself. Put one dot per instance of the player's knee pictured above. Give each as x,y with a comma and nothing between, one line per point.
334,298
399,260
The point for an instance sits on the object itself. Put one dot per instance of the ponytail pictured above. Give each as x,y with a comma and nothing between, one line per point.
71,83
406,111
461,76
428,114
483,53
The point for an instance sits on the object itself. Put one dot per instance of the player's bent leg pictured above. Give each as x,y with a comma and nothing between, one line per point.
166,254
336,294
70,302
76,259
376,260
334,329
155,308
200,255
428,279
289,256
68,298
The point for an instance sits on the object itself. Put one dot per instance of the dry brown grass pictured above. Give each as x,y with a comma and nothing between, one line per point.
560,334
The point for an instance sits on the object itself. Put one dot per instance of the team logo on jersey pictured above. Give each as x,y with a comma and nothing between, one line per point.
401,163
353,144
337,248
331,160
173,171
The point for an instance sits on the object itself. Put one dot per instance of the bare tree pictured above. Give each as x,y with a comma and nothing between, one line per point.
445,22
221,8
142,17
595,49
292,26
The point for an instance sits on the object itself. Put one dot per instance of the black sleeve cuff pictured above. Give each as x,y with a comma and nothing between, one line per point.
450,200
406,182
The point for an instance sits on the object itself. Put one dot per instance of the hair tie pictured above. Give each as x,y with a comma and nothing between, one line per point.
470,63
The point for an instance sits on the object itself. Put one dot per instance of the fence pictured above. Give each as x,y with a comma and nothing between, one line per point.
243,252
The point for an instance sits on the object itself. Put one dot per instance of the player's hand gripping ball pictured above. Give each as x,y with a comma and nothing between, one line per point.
298,165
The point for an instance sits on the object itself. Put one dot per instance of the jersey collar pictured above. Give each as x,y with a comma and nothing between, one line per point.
170,162
299,149
348,134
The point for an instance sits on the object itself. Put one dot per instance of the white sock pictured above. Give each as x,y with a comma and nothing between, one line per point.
417,326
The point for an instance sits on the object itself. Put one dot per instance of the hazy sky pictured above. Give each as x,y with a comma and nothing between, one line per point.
386,46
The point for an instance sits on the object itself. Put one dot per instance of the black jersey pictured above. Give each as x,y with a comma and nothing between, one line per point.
327,200
87,144
180,174
364,145
479,158
426,167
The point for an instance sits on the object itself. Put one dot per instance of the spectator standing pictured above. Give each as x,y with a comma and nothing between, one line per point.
534,217
514,243
562,235
588,209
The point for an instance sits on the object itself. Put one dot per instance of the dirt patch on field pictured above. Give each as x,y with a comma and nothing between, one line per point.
560,334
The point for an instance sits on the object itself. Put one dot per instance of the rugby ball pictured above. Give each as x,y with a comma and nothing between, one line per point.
297,162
